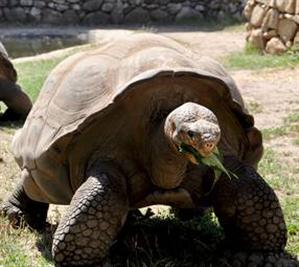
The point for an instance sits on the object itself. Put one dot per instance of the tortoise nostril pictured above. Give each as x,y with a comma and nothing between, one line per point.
209,145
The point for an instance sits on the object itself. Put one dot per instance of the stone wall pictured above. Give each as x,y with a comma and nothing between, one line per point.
273,24
99,12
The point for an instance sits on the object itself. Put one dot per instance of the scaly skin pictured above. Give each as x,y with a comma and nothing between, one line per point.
21,210
249,210
94,218
17,102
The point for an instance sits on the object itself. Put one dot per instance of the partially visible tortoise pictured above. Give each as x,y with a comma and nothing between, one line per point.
104,135
17,102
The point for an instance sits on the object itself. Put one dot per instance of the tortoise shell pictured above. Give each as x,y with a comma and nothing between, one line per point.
7,70
108,100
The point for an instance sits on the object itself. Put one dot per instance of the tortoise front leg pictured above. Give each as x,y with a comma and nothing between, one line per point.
96,214
17,102
249,211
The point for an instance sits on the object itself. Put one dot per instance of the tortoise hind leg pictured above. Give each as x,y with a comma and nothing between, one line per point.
95,216
22,210
249,210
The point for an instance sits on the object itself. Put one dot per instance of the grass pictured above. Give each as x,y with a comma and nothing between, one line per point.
284,178
18,248
290,127
252,59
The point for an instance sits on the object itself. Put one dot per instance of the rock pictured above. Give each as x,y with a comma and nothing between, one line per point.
236,263
71,17
297,8
270,34
271,20
96,18
13,2
92,5
160,15
256,38
76,7
256,258
107,7
257,16
289,44
117,15
15,14
3,3
275,46
241,257
135,2
39,4
137,16
290,7
295,18
287,6
51,16
61,7
287,29
35,12
248,26
173,8
26,2
188,13
200,8
296,39
164,2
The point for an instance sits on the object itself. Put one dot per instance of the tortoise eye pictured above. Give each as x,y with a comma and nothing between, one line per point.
191,134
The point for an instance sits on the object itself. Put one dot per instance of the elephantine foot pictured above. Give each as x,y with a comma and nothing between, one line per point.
22,211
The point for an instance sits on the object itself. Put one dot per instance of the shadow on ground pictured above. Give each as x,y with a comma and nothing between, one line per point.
154,241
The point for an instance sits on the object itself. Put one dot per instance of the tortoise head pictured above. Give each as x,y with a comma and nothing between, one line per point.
193,125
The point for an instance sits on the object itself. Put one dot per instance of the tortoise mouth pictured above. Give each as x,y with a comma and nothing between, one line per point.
203,151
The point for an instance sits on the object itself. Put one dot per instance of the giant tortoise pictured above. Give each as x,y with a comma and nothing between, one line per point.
104,137
17,102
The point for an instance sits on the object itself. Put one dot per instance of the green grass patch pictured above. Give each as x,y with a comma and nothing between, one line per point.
274,132
252,59
284,180
290,127
17,248
254,107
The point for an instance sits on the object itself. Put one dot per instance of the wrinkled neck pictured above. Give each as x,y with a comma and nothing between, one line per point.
168,166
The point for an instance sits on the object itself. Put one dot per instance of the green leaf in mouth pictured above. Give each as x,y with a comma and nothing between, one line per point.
214,161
